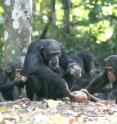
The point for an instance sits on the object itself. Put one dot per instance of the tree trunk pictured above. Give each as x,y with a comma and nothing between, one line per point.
66,20
17,32
53,16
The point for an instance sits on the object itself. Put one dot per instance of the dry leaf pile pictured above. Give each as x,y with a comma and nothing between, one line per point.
24,111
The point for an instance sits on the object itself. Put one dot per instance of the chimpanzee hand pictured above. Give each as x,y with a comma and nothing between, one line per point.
19,77
111,102
112,97
23,79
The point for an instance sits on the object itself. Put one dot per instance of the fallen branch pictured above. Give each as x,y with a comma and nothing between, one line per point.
92,97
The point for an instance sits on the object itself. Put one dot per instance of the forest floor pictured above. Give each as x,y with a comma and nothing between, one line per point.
24,111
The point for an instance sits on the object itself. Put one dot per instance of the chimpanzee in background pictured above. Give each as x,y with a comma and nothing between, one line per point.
45,67
10,83
73,72
108,76
86,62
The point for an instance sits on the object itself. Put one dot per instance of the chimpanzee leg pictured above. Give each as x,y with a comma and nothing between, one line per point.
43,92
15,93
29,88
7,94
33,86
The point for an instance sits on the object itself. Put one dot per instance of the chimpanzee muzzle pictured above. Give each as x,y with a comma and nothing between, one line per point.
54,62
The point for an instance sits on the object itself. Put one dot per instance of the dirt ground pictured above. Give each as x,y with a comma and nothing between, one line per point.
24,111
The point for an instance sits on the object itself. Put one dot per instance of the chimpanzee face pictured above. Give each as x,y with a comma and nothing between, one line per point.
8,69
54,61
74,69
111,75
11,69
52,54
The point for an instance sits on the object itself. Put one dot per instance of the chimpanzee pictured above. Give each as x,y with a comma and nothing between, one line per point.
86,62
5,83
10,81
45,67
73,72
108,76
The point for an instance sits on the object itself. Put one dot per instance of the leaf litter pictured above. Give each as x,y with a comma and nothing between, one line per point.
24,111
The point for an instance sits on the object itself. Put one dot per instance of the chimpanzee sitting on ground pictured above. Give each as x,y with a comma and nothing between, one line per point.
108,76
3,78
10,81
45,65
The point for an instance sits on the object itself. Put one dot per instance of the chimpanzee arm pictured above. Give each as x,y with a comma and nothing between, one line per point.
97,83
64,60
7,84
113,94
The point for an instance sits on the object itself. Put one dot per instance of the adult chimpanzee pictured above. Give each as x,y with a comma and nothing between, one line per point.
86,62
108,76
10,81
45,65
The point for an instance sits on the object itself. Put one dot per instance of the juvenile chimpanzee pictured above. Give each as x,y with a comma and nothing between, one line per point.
86,62
10,81
5,83
108,76
45,66
73,72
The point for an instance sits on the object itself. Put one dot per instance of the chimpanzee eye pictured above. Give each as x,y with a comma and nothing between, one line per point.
54,55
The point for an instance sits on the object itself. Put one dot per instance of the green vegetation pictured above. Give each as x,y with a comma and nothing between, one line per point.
79,25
